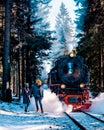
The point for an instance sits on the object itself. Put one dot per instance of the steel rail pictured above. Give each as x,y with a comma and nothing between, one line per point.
76,122
92,116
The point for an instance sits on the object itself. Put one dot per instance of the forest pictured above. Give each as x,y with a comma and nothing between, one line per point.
26,41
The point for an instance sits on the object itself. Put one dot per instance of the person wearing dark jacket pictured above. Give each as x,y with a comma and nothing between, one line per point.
26,96
37,92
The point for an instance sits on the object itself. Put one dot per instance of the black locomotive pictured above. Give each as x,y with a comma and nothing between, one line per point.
70,79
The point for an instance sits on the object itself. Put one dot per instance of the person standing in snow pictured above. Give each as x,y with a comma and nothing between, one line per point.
37,91
26,96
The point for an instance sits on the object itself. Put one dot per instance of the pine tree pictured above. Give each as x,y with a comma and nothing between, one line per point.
40,42
91,44
81,14
63,34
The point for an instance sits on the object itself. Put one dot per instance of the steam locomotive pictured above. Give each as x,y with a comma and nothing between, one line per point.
69,80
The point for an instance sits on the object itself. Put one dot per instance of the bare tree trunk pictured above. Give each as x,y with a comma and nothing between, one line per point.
6,58
23,68
101,60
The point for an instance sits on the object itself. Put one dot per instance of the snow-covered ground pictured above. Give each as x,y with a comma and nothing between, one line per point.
13,117
16,119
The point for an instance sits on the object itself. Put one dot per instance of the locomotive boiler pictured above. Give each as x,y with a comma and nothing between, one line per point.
69,80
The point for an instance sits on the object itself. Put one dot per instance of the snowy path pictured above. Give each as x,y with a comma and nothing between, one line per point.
12,117
31,121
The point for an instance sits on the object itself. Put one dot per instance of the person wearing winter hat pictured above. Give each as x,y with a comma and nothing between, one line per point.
37,91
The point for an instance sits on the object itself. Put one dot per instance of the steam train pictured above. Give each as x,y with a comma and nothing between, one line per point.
69,80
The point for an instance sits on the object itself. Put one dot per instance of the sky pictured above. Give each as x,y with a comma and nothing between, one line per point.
70,6
13,117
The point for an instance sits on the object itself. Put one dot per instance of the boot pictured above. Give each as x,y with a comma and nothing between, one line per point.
26,110
42,111
37,110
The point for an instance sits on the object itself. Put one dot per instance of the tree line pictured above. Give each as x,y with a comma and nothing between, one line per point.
23,43
91,44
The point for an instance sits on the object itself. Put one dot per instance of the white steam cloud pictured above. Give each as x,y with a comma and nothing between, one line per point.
51,103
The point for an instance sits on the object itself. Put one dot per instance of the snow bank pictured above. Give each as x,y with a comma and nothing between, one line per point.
98,104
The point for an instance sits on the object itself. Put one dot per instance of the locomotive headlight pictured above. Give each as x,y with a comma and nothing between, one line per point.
62,86
82,85
71,54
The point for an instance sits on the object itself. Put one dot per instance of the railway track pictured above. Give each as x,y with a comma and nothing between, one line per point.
86,121
76,122
93,116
